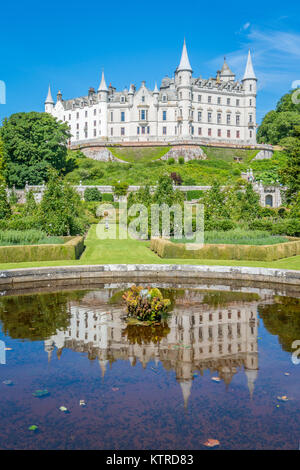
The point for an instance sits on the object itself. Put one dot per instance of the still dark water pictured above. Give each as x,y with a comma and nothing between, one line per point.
215,371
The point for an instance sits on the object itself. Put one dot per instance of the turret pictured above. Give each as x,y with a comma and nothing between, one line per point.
226,74
155,93
250,86
183,79
103,98
49,103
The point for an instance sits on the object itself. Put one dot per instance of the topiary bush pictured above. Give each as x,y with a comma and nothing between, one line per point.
181,160
92,194
107,197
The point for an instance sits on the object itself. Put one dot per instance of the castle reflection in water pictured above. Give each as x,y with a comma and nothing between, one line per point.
204,333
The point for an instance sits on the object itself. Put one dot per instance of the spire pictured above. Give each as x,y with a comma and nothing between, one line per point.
249,72
186,390
184,62
155,91
251,377
226,72
49,99
102,86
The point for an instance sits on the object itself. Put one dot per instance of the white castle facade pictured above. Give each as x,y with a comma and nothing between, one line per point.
219,109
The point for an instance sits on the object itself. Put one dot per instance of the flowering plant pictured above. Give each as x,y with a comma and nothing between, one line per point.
145,304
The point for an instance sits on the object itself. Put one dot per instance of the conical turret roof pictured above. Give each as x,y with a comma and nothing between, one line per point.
49,99
184,61
249,72
102,86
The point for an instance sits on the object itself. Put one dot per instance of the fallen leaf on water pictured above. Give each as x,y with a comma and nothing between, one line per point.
63,408
8,382
82,403
287,373
216,379
8,349
115,389
283,398
33,428
211,443
41,393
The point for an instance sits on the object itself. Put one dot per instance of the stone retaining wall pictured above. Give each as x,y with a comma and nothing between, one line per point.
158,272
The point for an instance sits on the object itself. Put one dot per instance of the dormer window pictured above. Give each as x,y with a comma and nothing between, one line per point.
122,99
143,98
164,98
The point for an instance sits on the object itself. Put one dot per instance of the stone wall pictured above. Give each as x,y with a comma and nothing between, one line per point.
102,154
189,152
264,155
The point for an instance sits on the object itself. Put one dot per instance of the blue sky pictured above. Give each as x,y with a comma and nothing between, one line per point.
68,43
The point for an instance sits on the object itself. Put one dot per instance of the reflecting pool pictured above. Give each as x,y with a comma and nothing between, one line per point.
75,375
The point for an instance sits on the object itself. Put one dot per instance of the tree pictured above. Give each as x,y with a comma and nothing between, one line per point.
291,172
214,202
279,123
5,210
33,143
60,208
165,193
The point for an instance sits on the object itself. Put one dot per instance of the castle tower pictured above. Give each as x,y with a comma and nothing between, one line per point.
183,79
226,74
103,96
49,103
250,90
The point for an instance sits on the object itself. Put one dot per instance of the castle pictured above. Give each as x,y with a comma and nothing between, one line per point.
184,108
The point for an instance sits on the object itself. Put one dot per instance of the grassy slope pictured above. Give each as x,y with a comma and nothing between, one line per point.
139,154
138,252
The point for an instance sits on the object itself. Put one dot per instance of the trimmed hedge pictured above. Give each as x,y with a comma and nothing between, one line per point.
72,249
290,227
167,249
194,194
107,197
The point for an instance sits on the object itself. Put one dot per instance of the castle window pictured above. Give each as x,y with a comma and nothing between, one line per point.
250,87
164,98
164,130
164,115
138,130
179,78
111,117
219,132
95,123
199,130
122,99
250,134
180,95
77,115
148,130
95,133
237,102
219,118
250,117
208,117
238,119
228,118
237,134
209,132
199,98
199,116
219,100
77,135
143,99
228,101
95,112
192,130
122,116
250,102
209,99
77,126
228,135
111,131
143,115
64,118
143,130
69,117
86,114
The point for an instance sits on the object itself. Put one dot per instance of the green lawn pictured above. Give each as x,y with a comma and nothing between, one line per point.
137,252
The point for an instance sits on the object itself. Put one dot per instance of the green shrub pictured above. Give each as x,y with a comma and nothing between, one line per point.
194,194
290,227
261,224
72,249
19,222
26,237
220,224
171,161
107,197
120,189
92,194
181,160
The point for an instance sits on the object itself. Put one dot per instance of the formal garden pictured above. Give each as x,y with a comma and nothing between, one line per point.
62,227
